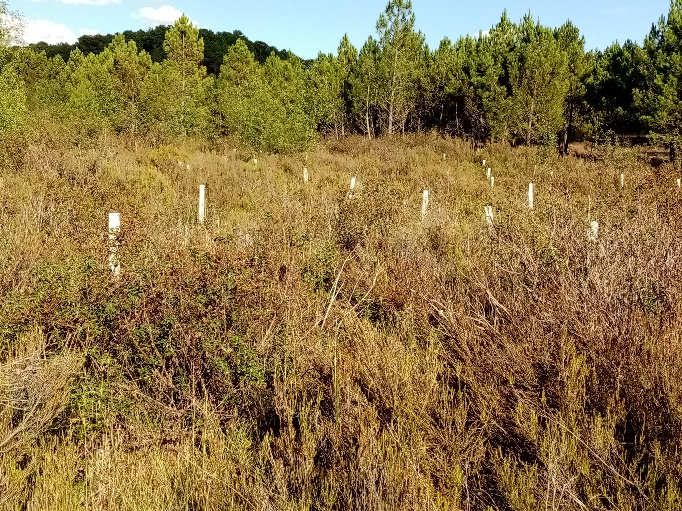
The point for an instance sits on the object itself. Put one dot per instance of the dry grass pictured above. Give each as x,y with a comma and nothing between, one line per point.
303,350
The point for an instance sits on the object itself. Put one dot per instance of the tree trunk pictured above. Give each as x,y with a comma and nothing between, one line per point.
393,87
369,131
457,118
562,143
568,135
184,86
530,122
390,116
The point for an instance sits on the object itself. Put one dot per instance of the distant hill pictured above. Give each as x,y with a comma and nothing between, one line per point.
151,41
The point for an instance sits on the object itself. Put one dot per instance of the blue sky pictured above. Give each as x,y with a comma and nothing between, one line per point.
306,27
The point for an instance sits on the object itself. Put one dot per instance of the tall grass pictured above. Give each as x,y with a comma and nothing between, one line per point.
304,350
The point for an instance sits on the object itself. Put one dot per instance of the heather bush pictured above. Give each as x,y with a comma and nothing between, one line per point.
303,349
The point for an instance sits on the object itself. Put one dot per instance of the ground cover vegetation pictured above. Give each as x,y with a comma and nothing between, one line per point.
305,348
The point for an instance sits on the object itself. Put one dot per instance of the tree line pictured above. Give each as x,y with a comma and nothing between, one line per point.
520,82
151,40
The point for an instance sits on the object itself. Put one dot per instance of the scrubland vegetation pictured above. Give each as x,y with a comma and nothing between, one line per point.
306,350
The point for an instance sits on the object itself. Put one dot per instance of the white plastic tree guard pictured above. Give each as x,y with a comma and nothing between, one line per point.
531,196
489,216
593,232
201,213
114,232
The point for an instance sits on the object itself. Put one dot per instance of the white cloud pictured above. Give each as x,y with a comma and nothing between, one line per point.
90,2
164,15
48,31
84,2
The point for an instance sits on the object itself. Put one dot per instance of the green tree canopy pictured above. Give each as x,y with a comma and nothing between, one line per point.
401,63
12,102
106,88
661,100
538,77
265,106
363,81
176,94
611,87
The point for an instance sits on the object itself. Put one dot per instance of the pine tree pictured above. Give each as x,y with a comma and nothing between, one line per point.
105,89
290,126
618,77
92,100
401,63
580,66
265,106
363,82
347,57
12,90
662,100
12,102
176,93
446,88
538,76
128,72
490,78
238,88
325,84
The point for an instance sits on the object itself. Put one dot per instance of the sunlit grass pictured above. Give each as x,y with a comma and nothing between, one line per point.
304,350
